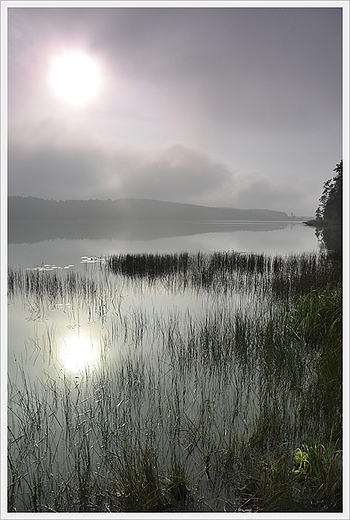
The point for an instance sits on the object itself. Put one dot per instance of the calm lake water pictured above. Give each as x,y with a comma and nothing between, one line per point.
69,331
31,247
90,346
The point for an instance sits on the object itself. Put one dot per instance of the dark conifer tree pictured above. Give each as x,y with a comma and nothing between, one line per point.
331,200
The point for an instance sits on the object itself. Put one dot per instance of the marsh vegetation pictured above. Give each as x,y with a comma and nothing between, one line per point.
217,386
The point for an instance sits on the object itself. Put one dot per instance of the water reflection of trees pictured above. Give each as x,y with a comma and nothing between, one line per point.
331,237
328,222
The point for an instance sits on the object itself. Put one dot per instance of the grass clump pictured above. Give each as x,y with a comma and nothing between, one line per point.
310,479
141,485
234,404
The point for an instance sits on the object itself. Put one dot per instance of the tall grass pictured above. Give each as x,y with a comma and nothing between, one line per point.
234,405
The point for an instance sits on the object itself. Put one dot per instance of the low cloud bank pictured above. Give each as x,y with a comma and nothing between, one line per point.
171,172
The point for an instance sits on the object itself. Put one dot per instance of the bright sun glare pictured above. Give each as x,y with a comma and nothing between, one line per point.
75,78
79,353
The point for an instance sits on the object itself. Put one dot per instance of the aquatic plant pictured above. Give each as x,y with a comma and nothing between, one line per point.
219,387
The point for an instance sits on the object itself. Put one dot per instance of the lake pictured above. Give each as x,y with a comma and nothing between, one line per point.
34,249
111,364
27,328
31,244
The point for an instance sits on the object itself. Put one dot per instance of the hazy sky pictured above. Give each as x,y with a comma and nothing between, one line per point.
226,106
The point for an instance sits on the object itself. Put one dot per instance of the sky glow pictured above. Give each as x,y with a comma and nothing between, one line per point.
238,107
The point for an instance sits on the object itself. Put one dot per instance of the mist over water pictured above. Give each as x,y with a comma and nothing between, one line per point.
164,356
32,247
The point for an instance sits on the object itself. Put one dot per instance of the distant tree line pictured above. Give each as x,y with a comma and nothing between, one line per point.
34,208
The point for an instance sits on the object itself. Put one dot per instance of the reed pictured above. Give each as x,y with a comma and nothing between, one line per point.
230,403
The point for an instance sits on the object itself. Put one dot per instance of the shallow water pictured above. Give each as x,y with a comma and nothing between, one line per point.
102,351
270,238
31,328
71,333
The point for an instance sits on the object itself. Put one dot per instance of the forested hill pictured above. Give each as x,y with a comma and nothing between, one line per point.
33,208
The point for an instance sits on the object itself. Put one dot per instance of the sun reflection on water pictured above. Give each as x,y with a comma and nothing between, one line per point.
79,352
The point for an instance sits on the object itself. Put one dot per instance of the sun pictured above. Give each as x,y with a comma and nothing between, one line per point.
75,77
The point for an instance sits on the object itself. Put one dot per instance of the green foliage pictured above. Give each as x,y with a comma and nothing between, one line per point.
316,317
319,470
311,480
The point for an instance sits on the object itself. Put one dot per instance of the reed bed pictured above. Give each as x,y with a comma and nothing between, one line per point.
229,400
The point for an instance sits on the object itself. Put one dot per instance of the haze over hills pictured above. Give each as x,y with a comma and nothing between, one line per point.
34,208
